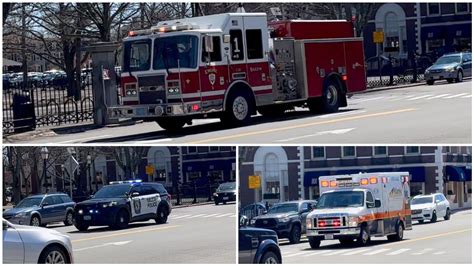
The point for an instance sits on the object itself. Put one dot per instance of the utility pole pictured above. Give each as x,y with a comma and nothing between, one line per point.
23,45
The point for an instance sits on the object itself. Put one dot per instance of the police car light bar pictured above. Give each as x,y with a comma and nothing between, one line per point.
125,181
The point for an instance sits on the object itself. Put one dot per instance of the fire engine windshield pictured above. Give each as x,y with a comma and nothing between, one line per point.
175,51
136,56
341,199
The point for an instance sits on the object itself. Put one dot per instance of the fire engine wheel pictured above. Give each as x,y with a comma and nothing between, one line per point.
271,111
329,101
364,236
174,124
238,110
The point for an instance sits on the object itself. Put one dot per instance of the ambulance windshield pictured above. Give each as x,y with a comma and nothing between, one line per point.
341,199
136,56
175,52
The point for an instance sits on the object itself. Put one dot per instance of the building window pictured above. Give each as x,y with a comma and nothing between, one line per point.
215,176
380,151
435,45
462,7
433,9
392,34
348,151
412,150
318,153
214,148
192,149
192,176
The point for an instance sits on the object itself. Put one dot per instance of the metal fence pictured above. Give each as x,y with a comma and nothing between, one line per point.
190,194
45,104
386,81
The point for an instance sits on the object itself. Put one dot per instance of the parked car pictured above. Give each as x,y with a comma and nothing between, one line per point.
451,67
40,210
30,245
430,207
287,219
225,192
122,202
257,245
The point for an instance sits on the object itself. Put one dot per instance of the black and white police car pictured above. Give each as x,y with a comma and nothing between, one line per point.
122,202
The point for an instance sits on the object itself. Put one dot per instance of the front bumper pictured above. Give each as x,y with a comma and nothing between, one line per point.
334,233
221,197
423,215
22,220
93,216
440,75
159,110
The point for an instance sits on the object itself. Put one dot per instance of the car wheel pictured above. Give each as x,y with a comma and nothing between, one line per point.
35,221
69,219
53,255
421,221
81,227
121,220
398,236
224,202
459,76
448,214
216,202
430,82
295,234
434,218
364,236
314,242
270,258
161,215
346,241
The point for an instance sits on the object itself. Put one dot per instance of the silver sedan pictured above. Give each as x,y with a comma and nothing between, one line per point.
32,245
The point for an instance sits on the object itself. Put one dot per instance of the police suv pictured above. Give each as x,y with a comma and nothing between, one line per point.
122,202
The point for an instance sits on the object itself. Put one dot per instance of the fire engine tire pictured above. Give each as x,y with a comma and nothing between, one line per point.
161,215
121,220
169,124
314,242
430,82
364,236
434,217
271,111
346,241
295,234
448,214
459,76
239,109
398,236
331,96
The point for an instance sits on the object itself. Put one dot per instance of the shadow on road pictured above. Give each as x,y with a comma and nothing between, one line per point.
211,127
108,229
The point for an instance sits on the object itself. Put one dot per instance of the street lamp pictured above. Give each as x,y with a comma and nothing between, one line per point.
62,175
89,160
44,156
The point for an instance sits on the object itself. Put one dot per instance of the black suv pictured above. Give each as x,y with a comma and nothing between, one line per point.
287,219
225,192
123,202
257,245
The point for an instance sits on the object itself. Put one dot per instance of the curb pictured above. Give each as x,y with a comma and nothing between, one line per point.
461,209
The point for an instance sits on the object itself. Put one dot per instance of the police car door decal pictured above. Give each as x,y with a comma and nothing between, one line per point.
152,201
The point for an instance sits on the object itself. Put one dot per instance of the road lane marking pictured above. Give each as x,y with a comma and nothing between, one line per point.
335,252
195,216
124,233
369,99
317,253
181,216
428,237
356,252
210,215
422,251
121,243
154,140
439,253
88,138
225,214
341,114
296,254
330,132
400,251
420,97
454,96
376,251
262,132
467,96
439,96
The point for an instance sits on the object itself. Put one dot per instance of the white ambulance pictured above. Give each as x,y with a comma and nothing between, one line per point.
359,206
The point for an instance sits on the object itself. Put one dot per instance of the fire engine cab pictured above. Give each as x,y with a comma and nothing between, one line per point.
232,65
358,206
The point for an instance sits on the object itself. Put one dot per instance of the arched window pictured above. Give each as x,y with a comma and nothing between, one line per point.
392,31
272,174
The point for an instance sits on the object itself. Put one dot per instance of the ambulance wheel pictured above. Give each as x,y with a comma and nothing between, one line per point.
398,236
434,218
364,236
161,215
171,124
239,109
448,214
295,234
314,242
121,220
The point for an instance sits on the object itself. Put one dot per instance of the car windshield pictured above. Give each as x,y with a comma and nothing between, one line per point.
226,186
341,199
176,51
136,56
29,202
422,200
448,60
114,191
282,208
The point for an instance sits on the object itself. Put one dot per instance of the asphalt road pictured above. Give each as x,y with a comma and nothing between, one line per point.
199,234
421,114
440,242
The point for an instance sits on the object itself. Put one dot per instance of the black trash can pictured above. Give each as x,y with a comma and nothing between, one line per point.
24,118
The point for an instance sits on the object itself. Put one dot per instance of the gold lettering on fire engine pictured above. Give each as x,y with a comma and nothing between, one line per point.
255,69
210,70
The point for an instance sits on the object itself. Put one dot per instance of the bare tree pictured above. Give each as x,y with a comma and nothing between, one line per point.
127,158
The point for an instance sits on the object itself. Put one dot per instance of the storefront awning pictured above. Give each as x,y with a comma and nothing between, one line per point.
455,173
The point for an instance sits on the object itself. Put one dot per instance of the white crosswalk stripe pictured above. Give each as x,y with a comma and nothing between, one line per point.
296,254
454,96
439,96
204,215
422,251
413,97
439,253
180,216
225,214
400,251
467,96
335,252
210,215
376,251
318,253
195,216
356,252
420,97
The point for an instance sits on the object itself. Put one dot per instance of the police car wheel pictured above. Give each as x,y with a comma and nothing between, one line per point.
269,258
121,220
364,236
314,242
161,215
81,227
295,234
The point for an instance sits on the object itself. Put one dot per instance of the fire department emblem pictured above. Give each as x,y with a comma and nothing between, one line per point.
212,78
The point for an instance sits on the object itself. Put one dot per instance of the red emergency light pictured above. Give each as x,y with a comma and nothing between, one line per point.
321,223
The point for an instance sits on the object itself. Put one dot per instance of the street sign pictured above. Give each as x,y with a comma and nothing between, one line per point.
254,182
150,169
71,165
378,36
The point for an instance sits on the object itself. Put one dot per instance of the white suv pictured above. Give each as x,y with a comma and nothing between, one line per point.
430,207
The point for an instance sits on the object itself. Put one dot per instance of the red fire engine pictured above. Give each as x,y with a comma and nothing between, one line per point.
232,65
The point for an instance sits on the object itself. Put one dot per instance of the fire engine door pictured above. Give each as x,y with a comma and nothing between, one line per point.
235,51
213,71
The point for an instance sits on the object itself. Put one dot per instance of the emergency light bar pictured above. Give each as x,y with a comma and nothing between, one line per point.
125,182
162,29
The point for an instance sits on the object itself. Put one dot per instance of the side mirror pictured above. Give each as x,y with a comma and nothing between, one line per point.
370,204
135,194
44,204
243,221
378,203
